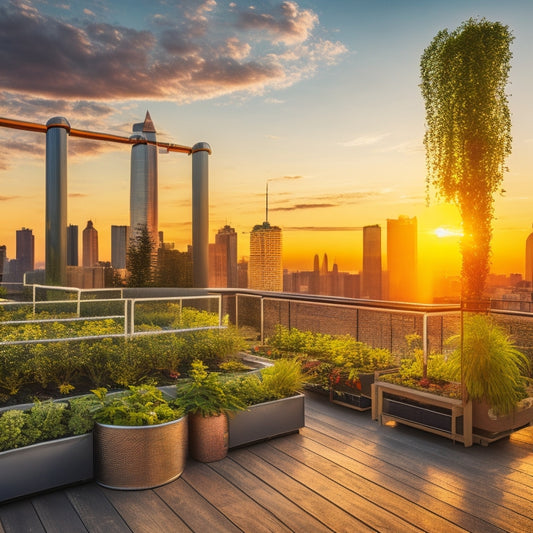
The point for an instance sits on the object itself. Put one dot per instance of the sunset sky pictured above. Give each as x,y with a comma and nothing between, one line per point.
318,98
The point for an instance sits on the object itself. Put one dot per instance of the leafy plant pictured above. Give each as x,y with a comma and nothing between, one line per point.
11,425
281,380
140,406
206,393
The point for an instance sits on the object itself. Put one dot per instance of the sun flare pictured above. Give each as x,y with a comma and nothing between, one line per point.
447,232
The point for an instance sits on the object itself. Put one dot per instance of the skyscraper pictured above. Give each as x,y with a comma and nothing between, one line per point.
371,278
72,245
529,259
120,241
265,270
90,245
223,259
143,182
25,252
3,257
402,259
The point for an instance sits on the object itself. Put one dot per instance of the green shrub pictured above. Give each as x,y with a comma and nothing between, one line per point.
81,415
45,421
140,406
11,424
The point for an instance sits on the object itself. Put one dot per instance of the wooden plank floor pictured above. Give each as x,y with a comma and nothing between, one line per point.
342,472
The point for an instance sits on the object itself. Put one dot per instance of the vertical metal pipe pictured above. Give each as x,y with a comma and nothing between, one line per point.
200,214
57,129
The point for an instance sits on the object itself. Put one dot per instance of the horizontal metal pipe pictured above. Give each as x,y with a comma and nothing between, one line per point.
94,135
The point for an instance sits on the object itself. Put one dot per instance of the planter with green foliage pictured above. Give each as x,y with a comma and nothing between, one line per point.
337,365
207,401
275,405
140,439
477,394
492,372
47,446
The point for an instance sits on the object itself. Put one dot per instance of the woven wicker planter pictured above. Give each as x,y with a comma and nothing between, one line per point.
140,457
208,437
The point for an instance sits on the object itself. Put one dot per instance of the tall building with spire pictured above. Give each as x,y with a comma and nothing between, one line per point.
265,271
143,181
90,245
402,259
265,267
371,278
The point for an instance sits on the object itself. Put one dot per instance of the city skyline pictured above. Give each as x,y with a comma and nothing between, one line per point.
336,130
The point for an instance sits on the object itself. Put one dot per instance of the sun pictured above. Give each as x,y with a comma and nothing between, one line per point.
442,232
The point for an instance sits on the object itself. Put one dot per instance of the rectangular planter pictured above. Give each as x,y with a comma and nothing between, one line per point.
430,412
349,399
45,466
424,414
266,420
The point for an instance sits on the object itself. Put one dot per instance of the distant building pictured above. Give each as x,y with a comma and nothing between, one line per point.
529,259
72,245
90,245
402,259
120,241
223,259
144,182
371,274
25,253
265,271
3,258
242,273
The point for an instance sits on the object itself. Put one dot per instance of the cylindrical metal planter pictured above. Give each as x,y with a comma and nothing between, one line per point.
208,437
140,457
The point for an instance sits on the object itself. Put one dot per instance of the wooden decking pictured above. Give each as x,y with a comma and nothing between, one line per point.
342,472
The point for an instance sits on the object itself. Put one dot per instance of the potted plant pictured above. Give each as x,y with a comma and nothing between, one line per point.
44,446
207,401
140,438
275,404
492,370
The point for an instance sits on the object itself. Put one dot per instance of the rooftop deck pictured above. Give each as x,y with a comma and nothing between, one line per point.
342,472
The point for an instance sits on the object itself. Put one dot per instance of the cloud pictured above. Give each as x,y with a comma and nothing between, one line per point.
8,198
190,52
77,195
302,206
365,140
285,178
285,23
322,228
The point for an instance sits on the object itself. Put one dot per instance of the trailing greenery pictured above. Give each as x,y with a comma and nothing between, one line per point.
468,138
139,406
491,367
206,393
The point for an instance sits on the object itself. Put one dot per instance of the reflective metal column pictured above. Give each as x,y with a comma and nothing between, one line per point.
200,214
57,129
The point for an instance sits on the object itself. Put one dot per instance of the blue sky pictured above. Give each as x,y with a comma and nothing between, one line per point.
320,98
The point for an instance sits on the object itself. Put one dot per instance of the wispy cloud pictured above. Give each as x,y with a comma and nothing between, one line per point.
296,207
192,51
365,140
322,228
8,198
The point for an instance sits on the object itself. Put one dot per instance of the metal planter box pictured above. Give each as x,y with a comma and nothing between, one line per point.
267,420
45,465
